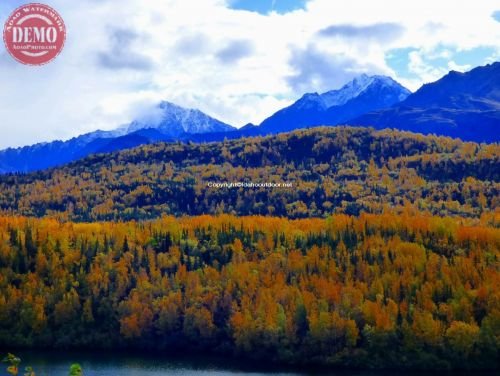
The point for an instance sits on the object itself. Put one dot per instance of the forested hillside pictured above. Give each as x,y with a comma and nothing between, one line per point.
332,170
374,291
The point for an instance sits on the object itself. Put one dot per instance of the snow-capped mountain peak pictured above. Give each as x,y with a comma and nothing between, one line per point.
174,120
357,86
363,94
165,122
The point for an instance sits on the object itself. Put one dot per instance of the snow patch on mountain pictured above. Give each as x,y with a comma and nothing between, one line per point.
174,120
359,85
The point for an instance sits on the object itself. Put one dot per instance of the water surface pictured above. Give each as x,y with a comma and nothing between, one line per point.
120,364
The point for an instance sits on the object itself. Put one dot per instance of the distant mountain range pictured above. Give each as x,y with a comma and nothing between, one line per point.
171,122
461,105
362,95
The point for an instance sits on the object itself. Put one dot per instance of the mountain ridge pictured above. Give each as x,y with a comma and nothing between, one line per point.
335,106
173,122
463,105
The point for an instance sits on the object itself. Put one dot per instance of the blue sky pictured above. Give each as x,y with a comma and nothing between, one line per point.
400,59
266,6
237,60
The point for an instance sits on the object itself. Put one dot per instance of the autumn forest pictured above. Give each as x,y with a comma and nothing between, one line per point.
384,254
332,170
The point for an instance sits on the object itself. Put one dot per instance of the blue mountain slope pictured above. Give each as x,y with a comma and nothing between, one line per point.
171,123
363,94
461,105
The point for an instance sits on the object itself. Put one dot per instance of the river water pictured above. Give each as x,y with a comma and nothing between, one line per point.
112,364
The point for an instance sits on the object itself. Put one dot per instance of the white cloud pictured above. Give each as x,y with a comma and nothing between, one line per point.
424,71
239,66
